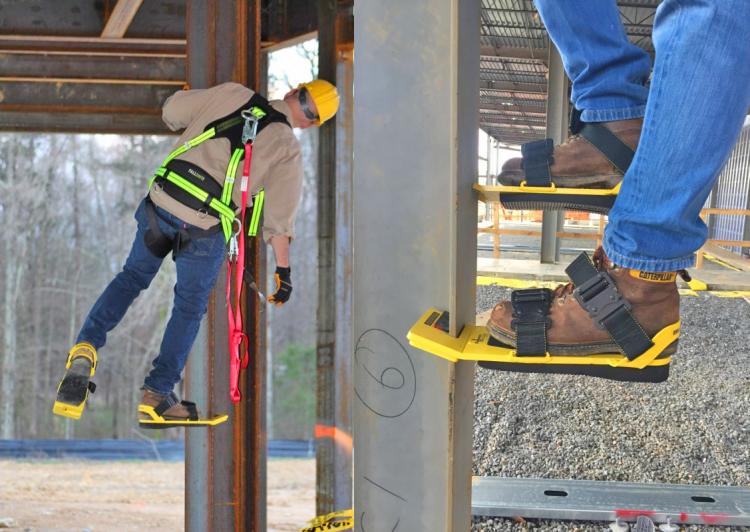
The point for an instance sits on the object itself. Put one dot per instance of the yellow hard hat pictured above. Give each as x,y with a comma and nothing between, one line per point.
325,96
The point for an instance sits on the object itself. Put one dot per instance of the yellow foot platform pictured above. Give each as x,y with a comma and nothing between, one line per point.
155,421
598,200
475,343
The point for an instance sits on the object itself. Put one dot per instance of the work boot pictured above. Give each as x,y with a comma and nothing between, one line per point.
178,411
571,331
577,163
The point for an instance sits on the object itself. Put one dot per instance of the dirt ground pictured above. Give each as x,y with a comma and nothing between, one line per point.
133,496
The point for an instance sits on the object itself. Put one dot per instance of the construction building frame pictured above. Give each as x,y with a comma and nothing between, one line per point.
405,206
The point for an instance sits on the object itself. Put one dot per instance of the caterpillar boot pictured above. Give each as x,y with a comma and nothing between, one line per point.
584,173
157,411
74,388
628,317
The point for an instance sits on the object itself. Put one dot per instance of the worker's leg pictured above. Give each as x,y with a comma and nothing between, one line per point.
609,76
197,268
697,103
607,72
698,99
139,270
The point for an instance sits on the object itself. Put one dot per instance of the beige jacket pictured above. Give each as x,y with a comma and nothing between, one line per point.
276,164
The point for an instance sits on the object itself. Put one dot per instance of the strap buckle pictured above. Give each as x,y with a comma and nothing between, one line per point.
250,129
234,249
599,296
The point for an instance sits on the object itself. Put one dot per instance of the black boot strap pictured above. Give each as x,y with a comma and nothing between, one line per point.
608,144
531,320
537,159
597,293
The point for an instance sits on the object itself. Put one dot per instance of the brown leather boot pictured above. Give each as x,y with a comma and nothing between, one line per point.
577,163
571,331
177,411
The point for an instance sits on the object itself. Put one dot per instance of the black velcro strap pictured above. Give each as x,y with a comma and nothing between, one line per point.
531,320
597,293
581,269
192,410
615,150
537,159
168,402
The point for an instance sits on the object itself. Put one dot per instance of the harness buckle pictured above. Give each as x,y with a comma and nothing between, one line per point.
202,212
234,249
250,129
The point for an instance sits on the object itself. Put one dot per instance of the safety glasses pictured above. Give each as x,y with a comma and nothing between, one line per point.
303,102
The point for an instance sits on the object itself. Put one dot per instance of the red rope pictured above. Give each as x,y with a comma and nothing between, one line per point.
234,317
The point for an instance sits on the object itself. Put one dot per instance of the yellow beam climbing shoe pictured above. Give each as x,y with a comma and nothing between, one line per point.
582,174
74,388
614,323
158,411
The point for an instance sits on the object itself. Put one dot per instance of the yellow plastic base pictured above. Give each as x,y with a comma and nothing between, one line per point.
158,422
473,344
67,410
492,192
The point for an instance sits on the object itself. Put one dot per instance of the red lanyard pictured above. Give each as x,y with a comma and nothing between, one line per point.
234,317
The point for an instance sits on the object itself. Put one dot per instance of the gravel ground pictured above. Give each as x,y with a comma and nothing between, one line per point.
693,429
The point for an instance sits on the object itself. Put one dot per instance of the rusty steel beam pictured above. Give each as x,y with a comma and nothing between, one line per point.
333,464
97,96
80,122
144,70
120,18
226,466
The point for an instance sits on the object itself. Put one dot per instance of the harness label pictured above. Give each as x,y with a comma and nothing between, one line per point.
654,277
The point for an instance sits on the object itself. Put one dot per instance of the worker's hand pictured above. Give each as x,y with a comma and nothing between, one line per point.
283,277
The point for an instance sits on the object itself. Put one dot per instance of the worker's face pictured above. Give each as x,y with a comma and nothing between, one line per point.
304,112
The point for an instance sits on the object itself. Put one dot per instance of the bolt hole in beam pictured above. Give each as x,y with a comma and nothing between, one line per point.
700,498
555,493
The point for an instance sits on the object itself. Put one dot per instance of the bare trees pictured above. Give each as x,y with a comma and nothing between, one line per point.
66,209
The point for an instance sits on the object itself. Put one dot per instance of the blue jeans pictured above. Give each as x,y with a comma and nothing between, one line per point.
197,268
693,112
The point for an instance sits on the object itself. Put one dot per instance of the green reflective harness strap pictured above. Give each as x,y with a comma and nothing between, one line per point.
226,193
257,210
201,195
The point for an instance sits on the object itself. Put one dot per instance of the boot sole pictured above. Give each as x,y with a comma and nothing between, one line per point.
155,421
651,374
72,394
599,204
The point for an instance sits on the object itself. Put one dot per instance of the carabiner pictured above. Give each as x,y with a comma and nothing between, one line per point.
250,129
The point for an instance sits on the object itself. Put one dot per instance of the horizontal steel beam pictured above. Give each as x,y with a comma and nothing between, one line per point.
134,69
585,500
88,94
65,122
539,54
509,86
91,45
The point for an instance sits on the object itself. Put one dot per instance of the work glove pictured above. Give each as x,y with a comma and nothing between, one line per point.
283,278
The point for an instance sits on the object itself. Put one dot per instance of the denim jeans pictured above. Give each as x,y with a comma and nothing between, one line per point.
197,269
694,108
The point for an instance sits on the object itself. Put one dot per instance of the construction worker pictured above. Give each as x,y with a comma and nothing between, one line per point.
659,148
191,211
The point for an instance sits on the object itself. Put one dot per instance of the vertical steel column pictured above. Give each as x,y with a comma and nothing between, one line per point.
415,142
557,104
225,466
333,466
343,361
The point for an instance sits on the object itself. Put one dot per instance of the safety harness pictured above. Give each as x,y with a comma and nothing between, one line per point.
195,188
